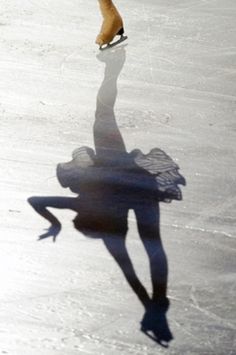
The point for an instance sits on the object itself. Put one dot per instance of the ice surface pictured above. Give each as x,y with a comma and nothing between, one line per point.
176,91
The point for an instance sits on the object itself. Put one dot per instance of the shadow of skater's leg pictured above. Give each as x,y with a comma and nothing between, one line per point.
149,230
109,144
116,247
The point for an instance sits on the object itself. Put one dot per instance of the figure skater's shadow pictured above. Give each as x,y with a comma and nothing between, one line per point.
109,182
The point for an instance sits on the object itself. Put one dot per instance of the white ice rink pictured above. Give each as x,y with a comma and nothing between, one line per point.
177,92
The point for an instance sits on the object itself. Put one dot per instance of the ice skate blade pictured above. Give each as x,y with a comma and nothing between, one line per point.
110,45
161,342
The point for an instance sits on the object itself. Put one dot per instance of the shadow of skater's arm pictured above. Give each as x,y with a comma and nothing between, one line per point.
40,205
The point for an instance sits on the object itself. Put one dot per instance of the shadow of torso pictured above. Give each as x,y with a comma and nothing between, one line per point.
107,190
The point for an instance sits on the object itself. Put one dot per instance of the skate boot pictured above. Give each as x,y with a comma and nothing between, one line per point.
112,25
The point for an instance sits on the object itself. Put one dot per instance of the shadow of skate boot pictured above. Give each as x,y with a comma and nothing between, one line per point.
114,60
112,23
155,325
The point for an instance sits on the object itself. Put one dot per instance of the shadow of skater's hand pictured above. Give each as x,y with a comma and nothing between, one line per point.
155,325
52,231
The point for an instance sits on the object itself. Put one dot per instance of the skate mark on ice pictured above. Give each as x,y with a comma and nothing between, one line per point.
194,5
195,305
211,211
65,59
199,229
149,40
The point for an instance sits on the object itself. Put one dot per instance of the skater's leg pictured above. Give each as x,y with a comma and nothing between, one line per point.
112,22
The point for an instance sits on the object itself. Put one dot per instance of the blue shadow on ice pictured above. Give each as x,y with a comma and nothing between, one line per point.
110,181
